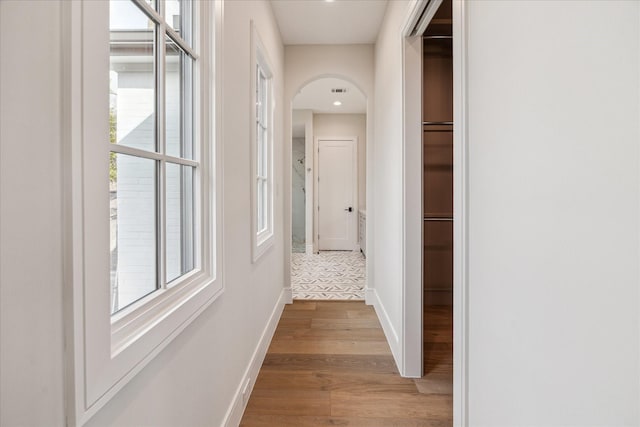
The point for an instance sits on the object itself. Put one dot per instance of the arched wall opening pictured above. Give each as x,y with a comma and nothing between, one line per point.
326,108
303,66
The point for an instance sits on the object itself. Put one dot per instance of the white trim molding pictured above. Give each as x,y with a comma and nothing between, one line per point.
104,352
460,217
412,222
261,241
412,204
369,295
389,331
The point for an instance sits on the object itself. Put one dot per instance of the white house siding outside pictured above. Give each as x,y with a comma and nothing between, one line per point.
134,205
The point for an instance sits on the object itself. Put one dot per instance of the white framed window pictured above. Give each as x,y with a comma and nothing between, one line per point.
262,107
144,211
153,168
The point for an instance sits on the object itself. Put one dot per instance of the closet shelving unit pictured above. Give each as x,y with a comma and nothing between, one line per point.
438,164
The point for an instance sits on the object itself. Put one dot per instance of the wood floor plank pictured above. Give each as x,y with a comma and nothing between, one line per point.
329,364
435,383
293,380
362,314
291,323
329,347
438,350
251,420
334,362
341,305
363,334
314,314
344,323
391,405
334,381
302,402
304,305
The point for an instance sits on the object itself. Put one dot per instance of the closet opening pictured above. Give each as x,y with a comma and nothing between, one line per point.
437,202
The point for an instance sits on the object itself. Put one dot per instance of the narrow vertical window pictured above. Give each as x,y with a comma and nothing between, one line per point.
262,149
152,159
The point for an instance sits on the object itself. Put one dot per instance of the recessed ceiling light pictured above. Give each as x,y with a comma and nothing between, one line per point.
337,103
329,1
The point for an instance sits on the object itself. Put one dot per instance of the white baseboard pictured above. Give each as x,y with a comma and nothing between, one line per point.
369,295
389,331
243,392
288,295
309,248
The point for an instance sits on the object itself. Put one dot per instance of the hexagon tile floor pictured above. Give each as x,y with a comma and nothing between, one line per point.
329,275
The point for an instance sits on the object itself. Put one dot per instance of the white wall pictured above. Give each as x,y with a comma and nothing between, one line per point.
31,346
386,170
330,125
553,214
193,380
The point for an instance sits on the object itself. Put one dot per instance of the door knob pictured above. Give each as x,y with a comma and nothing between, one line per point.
349,209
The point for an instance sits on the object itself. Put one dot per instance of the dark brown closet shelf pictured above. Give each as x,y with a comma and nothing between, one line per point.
437,215
445,123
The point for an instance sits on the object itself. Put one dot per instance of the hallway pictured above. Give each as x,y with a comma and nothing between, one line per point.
147,226
329,364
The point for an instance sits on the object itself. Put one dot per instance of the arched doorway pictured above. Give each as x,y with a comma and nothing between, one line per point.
328,198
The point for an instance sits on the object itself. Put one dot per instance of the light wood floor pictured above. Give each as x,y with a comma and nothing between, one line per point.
329,364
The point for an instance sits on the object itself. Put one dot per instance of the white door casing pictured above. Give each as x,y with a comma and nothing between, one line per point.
337,207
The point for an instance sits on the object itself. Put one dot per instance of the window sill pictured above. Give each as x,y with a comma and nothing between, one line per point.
262,246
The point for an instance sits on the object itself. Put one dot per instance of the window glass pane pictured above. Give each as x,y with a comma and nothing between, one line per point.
179,116
178,16
180,230
260,151
265,154
132,77
260,205
133,212
264,203
259,103
263,99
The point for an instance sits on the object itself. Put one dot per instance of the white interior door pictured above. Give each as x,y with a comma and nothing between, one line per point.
337,210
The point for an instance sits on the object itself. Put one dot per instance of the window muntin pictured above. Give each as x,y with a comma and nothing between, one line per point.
151,119
262,148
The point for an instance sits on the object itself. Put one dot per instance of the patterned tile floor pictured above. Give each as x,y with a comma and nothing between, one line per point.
334,275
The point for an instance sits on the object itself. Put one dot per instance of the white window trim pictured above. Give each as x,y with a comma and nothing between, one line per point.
103,353
261,242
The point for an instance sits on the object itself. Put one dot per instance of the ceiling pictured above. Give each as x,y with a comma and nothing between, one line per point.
329,22
317,96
